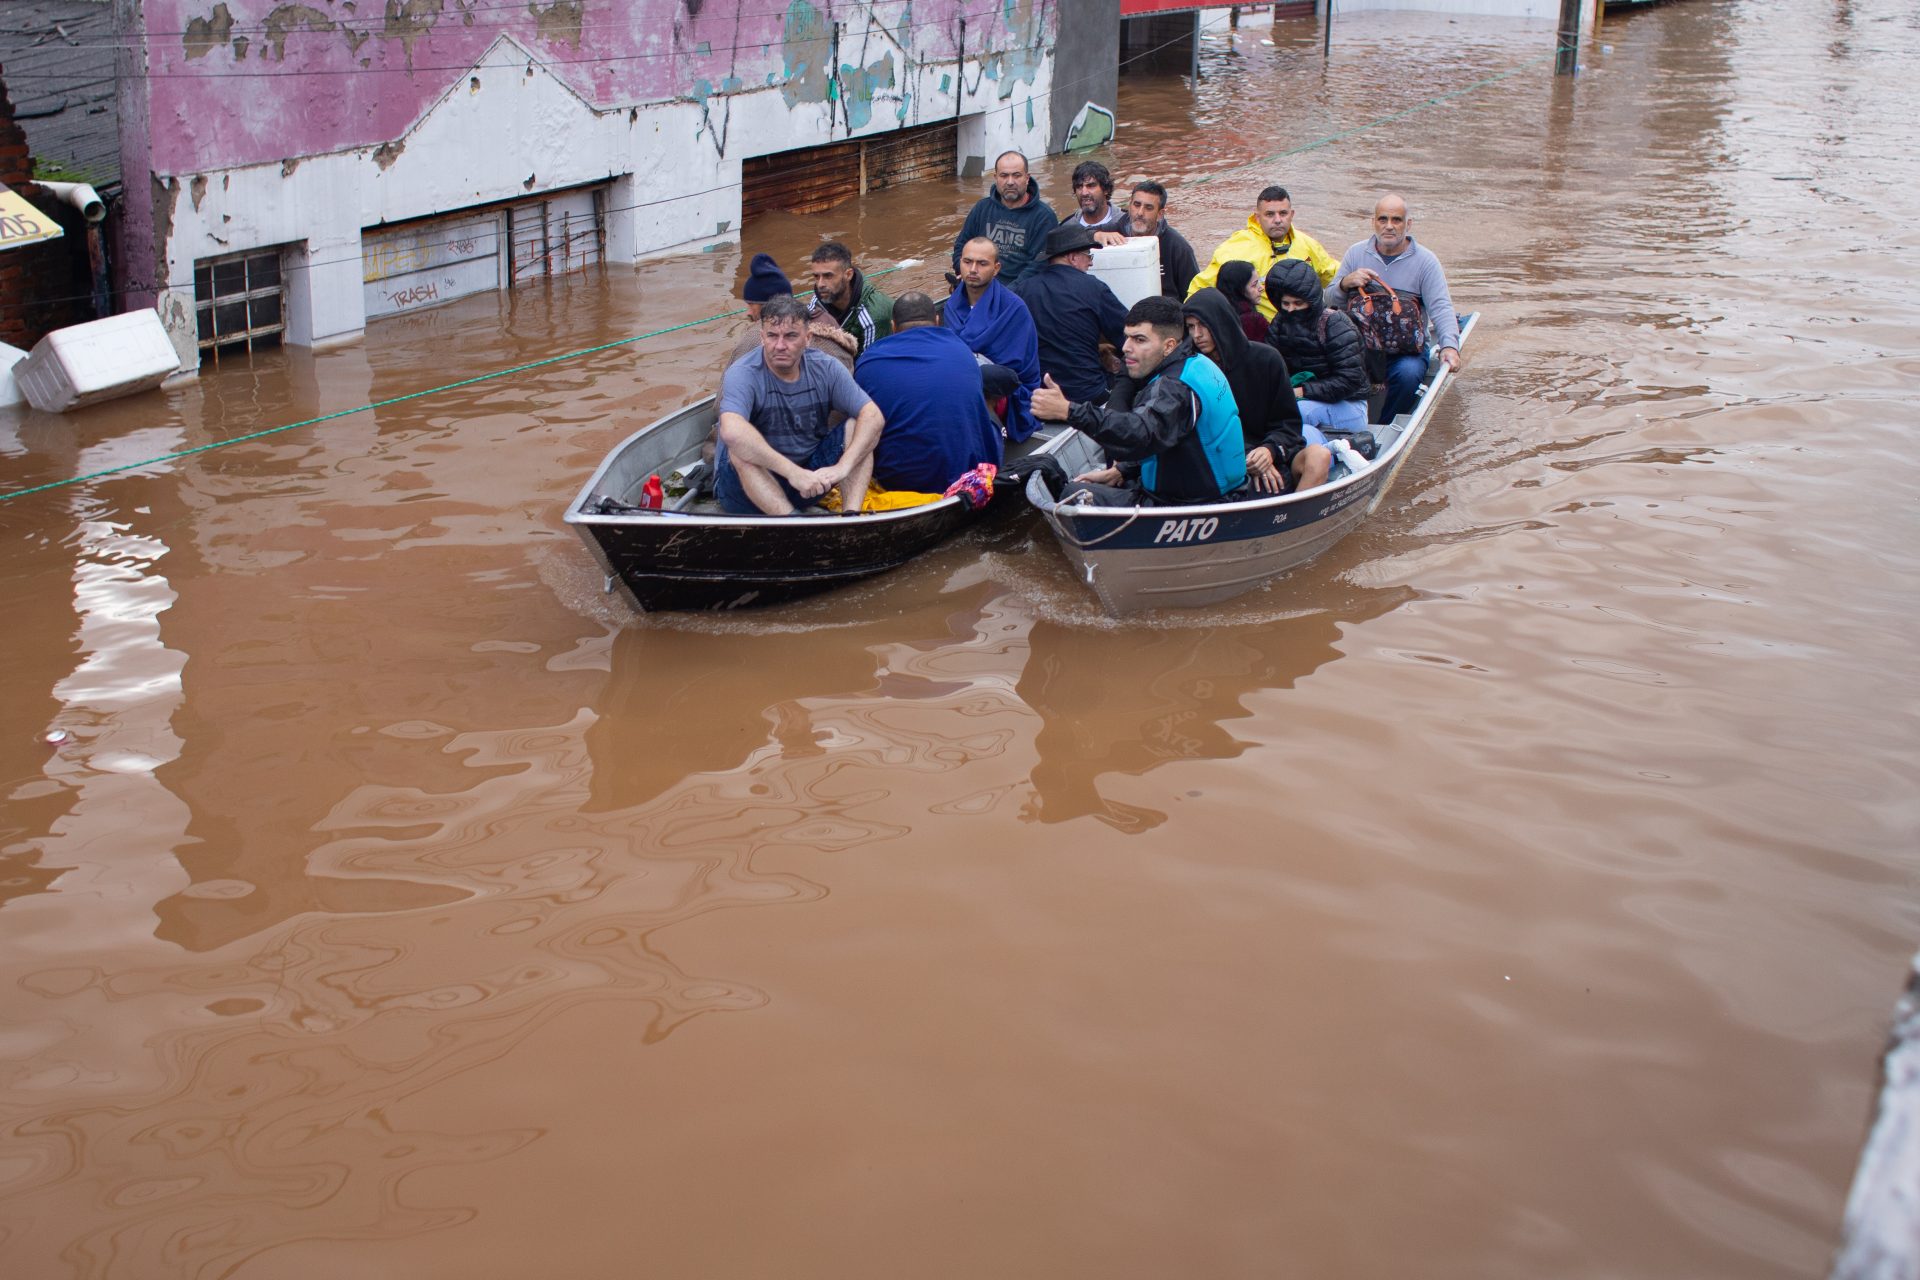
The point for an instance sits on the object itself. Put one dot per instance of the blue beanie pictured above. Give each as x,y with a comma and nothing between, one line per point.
765,280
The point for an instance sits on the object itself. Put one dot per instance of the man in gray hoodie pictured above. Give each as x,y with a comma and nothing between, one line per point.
1391,257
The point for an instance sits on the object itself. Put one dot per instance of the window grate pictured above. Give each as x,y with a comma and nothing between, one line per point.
239,301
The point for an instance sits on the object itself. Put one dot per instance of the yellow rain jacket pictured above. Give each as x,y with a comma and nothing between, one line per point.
1250,244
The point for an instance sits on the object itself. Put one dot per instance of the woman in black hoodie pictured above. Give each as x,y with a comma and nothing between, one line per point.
1262,391
1321,342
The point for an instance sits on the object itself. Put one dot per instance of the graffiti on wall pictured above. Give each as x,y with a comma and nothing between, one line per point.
366,72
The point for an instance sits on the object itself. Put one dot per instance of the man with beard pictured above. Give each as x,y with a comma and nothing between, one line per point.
1173,415
1268,237
998,328
1093,192
1012,215
1147,216
844,295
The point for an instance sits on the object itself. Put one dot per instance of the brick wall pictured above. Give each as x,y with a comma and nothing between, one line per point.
48,285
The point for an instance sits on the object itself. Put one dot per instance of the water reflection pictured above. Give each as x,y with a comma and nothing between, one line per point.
1122,703
676,704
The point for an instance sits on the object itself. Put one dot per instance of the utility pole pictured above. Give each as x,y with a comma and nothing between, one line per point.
1326,32
1566,59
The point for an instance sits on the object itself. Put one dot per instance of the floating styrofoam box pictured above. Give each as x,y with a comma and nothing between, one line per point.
9,388
100,360
1131,270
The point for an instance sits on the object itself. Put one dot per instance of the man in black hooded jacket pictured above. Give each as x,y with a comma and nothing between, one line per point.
1263,390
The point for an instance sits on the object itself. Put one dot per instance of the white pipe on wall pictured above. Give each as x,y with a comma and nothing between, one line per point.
80,196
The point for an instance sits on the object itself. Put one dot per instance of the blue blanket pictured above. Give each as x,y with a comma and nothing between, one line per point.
1000,328
927,384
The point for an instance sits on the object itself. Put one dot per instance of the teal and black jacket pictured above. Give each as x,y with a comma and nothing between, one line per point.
1181,425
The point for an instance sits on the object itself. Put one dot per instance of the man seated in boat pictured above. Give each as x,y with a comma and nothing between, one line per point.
1320,343
844,295
927,385
1073,312
1268,237
1390,258
998,328
1278,458
1171,422
779,450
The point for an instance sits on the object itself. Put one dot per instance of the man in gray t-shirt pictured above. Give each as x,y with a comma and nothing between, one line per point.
777,450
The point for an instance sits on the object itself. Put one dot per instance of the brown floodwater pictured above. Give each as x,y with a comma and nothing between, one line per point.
1520,890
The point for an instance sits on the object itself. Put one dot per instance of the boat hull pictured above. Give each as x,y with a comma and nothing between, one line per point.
675,561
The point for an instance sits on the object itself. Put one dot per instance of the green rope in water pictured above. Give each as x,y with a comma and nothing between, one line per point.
365,408
722,315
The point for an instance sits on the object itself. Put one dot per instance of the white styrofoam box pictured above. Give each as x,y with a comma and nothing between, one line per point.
1131,270
9,388
84,364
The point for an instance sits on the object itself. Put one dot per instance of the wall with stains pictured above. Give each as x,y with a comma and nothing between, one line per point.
263,123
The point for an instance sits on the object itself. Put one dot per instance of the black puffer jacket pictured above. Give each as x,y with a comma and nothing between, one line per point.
1317,340
1269,414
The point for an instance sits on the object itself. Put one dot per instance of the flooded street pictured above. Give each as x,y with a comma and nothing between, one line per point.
1520,890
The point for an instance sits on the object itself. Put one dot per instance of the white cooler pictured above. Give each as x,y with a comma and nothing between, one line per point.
9,389
1131,270
86,363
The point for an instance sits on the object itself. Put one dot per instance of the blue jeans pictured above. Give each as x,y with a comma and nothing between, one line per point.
734,500
1403,385
1341,415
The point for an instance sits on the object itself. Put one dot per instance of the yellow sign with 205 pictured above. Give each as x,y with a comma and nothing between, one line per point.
21,223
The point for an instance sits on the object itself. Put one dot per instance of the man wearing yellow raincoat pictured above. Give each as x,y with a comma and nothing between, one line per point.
1268,237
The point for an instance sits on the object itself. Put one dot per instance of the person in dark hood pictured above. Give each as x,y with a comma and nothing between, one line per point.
1172,414
1269,412
1013,216
1239,286
1317,340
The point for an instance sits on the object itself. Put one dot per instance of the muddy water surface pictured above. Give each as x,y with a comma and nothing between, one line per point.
1521,890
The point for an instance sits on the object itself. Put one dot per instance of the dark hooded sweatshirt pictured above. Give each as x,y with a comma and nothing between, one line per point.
1318,340
1020,234
1269,413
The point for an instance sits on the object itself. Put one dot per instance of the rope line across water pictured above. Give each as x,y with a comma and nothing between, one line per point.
720,315
365,408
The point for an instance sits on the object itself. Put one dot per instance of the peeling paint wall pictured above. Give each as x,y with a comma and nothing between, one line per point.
367,69
404,109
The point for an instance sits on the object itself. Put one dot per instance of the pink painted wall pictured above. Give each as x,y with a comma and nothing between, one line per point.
252,81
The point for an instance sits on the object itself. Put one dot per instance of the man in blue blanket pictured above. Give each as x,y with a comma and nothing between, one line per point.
927,385
998,328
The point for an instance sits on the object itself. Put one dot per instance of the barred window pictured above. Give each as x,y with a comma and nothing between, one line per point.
240,301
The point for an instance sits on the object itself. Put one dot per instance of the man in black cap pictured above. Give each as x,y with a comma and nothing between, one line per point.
1073,312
